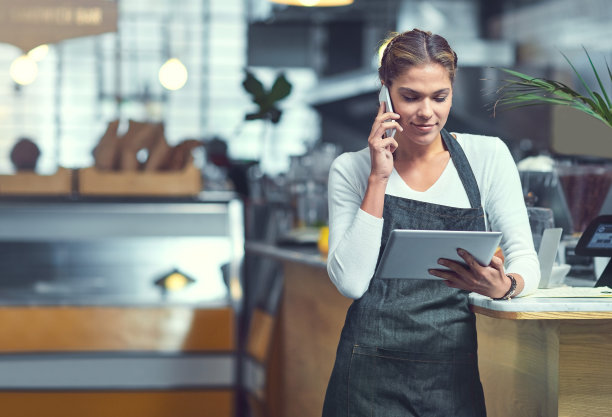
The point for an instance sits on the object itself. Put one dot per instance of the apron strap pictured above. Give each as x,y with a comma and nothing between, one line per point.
463,168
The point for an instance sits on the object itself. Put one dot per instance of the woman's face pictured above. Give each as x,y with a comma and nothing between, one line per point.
422,96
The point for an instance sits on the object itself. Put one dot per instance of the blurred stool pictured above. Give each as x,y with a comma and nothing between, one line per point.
257,362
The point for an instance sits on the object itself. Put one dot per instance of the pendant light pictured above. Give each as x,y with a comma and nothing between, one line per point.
173,74
314,3
24,70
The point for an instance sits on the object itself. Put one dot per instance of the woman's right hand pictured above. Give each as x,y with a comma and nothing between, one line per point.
381,147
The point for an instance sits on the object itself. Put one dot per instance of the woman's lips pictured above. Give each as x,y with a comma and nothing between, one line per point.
424,127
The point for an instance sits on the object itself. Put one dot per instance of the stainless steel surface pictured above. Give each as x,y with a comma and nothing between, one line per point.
113,372
75,220
305,255
111,253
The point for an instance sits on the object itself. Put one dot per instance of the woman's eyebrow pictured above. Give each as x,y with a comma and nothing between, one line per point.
406,90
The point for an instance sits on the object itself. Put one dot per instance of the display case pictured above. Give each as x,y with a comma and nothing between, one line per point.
120,307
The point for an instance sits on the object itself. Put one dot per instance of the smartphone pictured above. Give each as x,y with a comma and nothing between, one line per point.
384,97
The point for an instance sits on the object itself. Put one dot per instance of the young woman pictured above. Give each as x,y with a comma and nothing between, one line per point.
408,347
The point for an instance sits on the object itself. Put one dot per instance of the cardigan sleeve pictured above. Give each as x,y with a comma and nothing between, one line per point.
507,213
354,235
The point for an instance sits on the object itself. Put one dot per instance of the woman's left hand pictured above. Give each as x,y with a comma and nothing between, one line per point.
489,280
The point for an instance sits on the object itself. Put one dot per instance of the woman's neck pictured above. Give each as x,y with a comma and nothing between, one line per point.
408,151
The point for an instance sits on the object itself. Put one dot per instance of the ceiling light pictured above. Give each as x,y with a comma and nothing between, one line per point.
314,3
24,70
173,74
39,53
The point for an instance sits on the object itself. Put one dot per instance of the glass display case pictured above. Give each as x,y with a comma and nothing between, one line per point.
114,306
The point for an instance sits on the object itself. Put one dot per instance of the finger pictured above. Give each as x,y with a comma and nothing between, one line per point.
452,284
387,117
450,279
390,144
470,261
454,266
497,263
378,119
445,274
379,131
392,124
382,143
467,257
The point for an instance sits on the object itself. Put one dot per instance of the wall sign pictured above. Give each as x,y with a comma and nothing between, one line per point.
29,23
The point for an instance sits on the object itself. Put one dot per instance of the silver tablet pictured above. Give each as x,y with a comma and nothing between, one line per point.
411,253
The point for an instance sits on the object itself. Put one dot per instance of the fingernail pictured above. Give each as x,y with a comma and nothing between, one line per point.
461,252
441,261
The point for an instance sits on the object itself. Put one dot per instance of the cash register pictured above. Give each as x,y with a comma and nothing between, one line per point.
596,240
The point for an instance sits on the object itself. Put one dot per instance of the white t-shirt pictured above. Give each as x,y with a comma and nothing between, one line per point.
354,240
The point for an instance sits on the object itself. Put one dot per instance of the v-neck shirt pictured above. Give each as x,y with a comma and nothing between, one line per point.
355,235
437,192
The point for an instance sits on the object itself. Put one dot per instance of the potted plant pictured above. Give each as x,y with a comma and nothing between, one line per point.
525,90
267,110
585,186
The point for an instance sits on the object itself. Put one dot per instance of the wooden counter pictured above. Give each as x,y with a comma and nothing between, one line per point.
309,321
545,357
538,357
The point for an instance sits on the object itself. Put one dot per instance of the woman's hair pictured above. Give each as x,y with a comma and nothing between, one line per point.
413,48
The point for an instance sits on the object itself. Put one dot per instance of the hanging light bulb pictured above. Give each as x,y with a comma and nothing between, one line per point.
314,3
39,53
24,70
173,74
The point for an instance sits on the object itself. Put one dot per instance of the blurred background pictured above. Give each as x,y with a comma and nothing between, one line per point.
152,139
72,88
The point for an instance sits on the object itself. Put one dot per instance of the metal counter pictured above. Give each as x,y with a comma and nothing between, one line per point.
85,324
111,253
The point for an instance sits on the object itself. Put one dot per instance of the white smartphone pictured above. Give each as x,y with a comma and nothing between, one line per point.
384,97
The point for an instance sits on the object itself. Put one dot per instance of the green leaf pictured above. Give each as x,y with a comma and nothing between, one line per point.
586,86
253,86
600,101
280,89
603,90
525,90
266,100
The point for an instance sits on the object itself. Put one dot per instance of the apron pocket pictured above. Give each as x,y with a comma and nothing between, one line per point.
391,383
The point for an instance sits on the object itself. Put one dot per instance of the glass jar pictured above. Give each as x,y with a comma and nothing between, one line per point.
585,188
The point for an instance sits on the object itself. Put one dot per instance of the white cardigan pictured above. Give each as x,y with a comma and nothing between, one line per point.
354,240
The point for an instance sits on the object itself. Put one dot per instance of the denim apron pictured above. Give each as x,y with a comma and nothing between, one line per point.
408,347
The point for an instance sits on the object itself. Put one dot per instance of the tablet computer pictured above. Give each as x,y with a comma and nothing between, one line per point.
411,253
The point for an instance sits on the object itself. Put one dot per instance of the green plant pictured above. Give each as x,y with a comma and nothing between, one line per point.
526,90
266,99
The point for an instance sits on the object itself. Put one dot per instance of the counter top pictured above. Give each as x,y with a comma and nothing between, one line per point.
75,200
527,308
521,308
305,254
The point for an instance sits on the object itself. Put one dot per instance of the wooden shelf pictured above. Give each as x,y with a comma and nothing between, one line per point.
30,183
93,182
